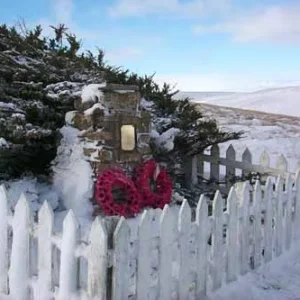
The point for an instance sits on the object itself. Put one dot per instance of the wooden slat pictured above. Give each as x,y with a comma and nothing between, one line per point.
215,167
121,261
3,240
257,225
217,242
97,261
68,261
230,155
144,256
45,230
288,212
184,228
232,237
168,236
279,216
244,229
297,207
268,221
202,223
19,267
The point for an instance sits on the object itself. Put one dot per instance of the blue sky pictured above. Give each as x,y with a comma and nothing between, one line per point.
200,45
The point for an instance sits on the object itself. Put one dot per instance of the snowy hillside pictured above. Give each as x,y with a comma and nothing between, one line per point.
284,100
278,135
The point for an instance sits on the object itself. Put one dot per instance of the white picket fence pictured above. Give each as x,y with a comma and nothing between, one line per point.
162,254
208,166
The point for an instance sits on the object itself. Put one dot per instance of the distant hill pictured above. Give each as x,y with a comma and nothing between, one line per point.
202,95
283,100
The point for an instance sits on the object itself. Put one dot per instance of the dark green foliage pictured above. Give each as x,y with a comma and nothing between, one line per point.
51,60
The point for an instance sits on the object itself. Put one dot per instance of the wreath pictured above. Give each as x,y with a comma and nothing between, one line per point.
110,182
154,184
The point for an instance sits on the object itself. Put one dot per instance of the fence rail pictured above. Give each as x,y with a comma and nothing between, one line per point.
161,254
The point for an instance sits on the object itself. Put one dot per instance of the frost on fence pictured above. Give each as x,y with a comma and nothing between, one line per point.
162,254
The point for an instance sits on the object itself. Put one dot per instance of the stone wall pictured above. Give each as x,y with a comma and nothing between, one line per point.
100,131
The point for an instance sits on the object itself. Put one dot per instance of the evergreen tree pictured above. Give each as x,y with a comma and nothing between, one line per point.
44,61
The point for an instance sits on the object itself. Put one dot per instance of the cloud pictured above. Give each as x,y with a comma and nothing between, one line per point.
193,8
279,24
63,11
123,53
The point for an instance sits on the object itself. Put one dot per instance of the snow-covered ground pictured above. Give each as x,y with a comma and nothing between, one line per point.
283,100
278,135
279,280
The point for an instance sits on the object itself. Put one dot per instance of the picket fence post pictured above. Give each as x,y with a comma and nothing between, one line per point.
288,212
244,229
3,240
168,234
68,261
217,242
268,221
121,239
246,158
19,267
184,228
232,236
97,261
45,230
202,235
279,216
282,164
230,155
144,251
297,206
215,166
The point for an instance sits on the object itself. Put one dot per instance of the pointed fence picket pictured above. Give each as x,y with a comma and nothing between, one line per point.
279,217
268,221
297,207
3,240
184,227
257,203
45,231
144,256
244,229
98,262
288,212
195,172
20,253
175,256
202,222
168,235
232,236
217,242
68,267
121,263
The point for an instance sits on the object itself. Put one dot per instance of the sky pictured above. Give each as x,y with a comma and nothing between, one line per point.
197,45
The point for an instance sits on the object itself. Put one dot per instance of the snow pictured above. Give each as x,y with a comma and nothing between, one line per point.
7,105
92,93
69,117
147,105
165,140
277,136
283,100
90,111
3,143
279,280
73,174
35,192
